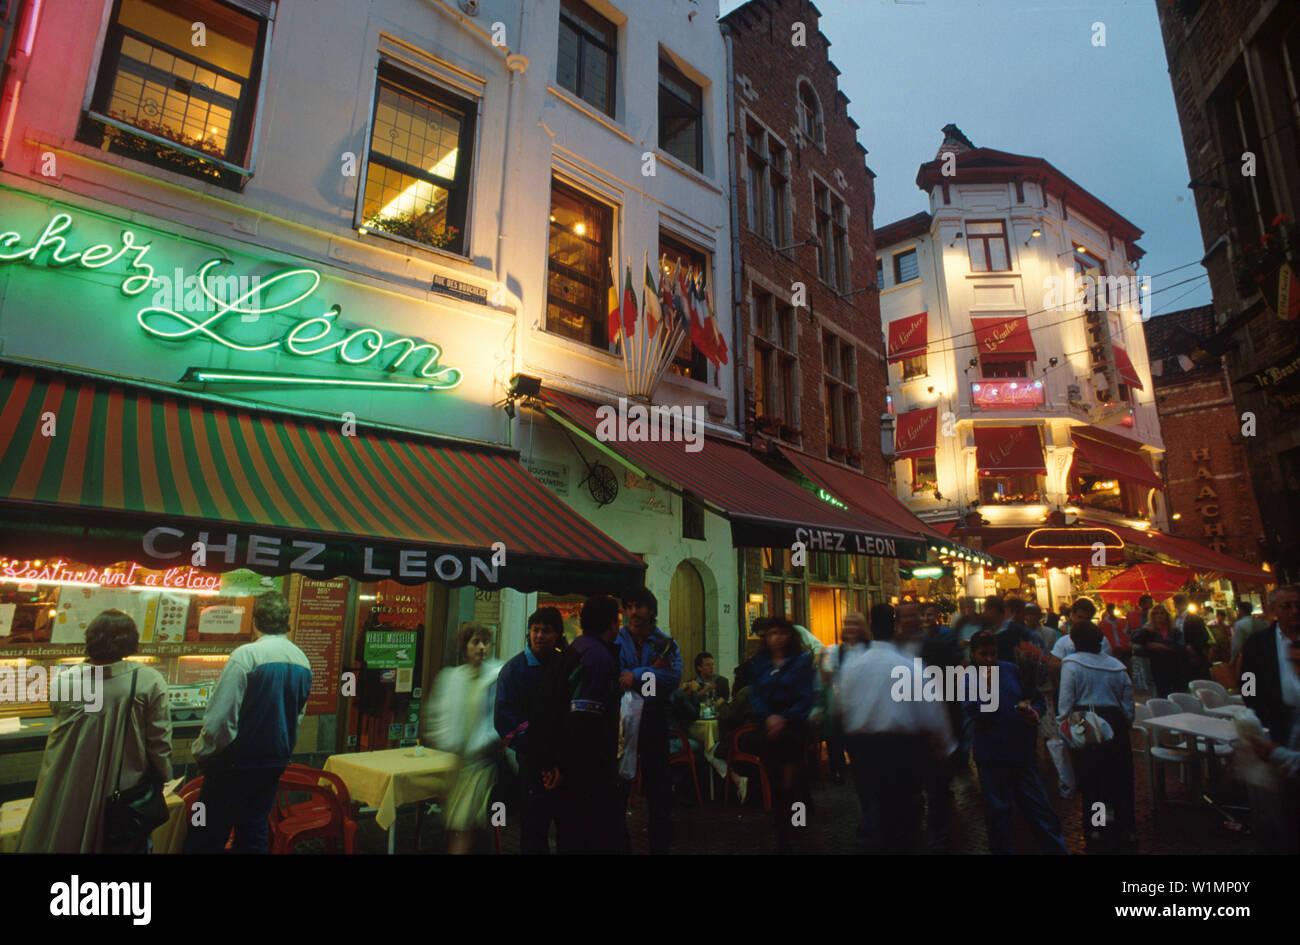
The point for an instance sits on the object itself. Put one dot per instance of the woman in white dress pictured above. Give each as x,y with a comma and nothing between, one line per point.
459,719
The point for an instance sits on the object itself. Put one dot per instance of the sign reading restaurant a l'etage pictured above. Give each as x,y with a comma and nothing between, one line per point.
237,314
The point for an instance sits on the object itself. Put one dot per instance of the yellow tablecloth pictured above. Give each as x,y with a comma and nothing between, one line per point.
385,780
14,813
705,731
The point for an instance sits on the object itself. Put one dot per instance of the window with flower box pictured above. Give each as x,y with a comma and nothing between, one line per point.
418,170
164,101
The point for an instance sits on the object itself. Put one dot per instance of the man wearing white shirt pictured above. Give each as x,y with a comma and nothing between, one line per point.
891,741
1081,613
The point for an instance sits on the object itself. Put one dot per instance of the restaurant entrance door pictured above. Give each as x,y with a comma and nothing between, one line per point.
686,614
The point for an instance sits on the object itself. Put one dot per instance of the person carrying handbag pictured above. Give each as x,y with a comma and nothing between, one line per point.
116,739
1095,712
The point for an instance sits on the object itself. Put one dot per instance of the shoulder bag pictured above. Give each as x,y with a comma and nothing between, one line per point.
131,815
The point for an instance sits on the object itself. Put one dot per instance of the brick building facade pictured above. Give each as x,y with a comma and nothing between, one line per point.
1211,498
1235,70
814,373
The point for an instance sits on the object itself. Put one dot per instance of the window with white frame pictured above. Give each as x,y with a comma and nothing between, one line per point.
906,267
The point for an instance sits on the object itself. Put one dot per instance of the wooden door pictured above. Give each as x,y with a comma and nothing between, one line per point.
686,615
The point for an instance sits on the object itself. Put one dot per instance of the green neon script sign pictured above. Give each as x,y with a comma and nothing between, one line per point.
306,337
827,497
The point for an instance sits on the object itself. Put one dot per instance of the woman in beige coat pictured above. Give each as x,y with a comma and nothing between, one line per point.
79,767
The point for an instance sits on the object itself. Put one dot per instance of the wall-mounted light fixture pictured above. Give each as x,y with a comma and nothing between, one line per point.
1034,235
813,240
960,236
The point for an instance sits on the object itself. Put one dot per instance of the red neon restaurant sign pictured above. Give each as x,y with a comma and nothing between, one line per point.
134,577
1007,393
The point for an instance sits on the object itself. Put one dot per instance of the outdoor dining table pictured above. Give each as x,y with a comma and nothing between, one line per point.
1205,731
705,731
385,780
14,813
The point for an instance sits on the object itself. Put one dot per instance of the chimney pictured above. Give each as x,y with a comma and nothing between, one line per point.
954,141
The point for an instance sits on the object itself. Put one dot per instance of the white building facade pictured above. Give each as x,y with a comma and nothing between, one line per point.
1020,393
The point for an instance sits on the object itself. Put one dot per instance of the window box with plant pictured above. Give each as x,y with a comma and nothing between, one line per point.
790,432
418,166
161,100
769,424
1260,264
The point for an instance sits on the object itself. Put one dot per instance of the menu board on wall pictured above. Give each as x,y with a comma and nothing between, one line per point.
318,631
78,606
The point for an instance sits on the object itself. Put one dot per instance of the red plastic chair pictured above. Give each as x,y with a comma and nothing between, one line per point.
189,794
736,756
684,756
325,815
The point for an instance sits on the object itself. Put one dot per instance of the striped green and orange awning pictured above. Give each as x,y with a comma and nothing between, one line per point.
117,461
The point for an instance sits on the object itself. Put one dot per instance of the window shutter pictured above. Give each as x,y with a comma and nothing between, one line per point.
263,8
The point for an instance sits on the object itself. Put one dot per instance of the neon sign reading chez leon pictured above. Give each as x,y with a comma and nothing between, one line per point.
308,337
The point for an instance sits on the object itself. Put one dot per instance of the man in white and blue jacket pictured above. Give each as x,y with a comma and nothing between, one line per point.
646,654
249,731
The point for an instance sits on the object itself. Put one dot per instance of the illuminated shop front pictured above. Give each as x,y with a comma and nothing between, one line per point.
188,425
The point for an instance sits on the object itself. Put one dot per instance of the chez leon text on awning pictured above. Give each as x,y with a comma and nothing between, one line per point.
1009,451
150,473
1108,453
908,337
765,509
1003,338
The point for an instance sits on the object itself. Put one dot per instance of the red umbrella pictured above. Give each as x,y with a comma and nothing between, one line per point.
1158,580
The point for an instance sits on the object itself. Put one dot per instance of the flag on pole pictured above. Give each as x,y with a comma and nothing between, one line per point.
653,313
690,290
679,296
629,303
718,344
613,313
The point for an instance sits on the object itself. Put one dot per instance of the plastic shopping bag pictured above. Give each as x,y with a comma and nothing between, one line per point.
629,726
1064,766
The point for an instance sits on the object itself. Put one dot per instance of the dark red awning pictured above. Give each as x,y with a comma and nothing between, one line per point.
866,495
764,507
908,337
1009,451
1124,368
1195,555
1004,339
1113,460
915,433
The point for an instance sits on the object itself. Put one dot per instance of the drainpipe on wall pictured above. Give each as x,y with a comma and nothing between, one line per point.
14,63
737,335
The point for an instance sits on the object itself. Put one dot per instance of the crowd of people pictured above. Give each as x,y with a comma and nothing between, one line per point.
562,731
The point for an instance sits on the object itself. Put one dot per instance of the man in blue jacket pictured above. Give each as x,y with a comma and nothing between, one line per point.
249,731
1006,742
651,664
517,688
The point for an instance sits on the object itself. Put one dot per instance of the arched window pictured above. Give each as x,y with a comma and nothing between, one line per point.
810,114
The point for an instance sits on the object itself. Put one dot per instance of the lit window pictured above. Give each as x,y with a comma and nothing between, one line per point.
418,172
195,102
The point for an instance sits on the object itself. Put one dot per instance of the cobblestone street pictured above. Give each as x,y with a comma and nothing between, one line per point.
713,829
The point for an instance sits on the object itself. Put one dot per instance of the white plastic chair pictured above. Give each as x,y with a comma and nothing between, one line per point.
1210,693
1197,686
1187,702
1162,747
